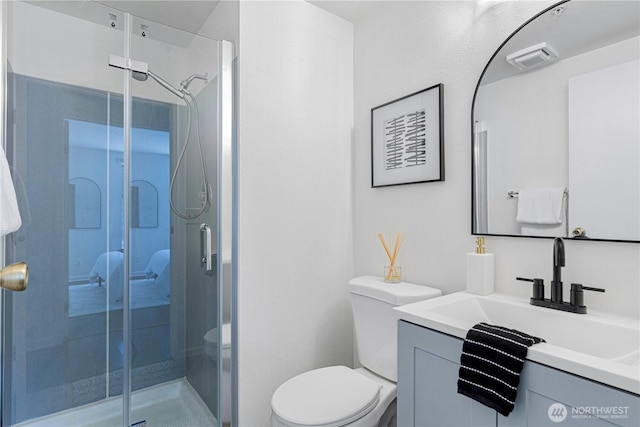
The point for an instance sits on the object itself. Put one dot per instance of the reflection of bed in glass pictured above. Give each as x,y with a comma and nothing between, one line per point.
106,277
97,303
95,316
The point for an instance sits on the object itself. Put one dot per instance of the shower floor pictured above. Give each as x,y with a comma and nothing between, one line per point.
174,404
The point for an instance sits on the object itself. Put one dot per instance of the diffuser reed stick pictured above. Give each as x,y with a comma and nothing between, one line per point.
392,274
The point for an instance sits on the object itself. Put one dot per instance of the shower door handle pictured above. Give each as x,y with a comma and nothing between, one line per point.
206,236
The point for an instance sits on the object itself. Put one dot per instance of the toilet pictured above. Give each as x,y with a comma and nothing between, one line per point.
210,349
337,395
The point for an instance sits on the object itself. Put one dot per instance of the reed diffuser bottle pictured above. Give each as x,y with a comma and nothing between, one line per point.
392,272
480,266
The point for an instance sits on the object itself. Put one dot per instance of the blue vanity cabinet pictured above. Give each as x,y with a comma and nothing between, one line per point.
428,363
550,397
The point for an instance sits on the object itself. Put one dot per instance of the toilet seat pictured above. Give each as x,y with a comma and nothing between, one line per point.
331,397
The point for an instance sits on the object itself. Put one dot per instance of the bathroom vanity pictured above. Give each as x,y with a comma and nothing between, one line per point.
428,363
589,364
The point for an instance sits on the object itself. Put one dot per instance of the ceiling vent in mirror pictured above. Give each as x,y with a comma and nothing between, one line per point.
533,57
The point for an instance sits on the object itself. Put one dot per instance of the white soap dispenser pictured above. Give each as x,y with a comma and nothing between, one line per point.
480,275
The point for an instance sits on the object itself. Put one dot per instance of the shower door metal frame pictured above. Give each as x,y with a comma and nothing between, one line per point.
126,237
227,225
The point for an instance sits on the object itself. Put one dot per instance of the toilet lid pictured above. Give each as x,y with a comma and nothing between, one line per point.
332,396
212,336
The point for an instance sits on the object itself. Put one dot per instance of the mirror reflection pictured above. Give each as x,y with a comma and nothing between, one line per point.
85,195
96,153
556,145
144,204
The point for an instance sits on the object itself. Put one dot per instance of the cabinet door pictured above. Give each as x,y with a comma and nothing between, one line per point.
549,397
428,364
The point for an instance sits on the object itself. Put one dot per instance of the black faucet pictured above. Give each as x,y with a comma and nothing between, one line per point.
576,302
558,263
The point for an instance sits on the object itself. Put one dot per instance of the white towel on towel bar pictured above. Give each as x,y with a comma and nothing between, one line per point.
540,205
10,219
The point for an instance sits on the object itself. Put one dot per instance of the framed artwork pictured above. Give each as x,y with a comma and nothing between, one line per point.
407,139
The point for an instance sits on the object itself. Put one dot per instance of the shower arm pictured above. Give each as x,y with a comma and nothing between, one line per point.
166,85
140,71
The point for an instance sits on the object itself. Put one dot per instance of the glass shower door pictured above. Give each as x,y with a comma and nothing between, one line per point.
118,186
177,96
64,144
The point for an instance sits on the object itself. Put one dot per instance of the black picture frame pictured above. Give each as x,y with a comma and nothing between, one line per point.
407,139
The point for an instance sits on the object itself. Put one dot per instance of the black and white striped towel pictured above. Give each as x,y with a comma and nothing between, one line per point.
490,364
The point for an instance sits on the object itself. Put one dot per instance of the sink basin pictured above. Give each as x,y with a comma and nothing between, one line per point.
596,346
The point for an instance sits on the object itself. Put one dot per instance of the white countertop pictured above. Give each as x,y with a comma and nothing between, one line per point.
597,346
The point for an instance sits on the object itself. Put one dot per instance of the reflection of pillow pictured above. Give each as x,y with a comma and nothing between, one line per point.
105,266
108,268
158,262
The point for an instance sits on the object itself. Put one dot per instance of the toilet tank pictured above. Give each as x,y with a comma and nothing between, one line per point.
376,323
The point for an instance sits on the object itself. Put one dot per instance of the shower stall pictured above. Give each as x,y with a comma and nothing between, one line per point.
119,136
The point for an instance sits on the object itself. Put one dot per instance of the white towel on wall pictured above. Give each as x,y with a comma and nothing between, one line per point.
540,205
10,219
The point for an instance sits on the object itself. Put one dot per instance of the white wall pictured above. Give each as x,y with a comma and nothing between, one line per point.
295,241
222,24
402,47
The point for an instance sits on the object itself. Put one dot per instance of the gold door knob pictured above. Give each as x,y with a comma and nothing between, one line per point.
14,277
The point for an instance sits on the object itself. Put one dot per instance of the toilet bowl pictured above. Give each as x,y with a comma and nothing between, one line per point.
335,396
211,350
364,397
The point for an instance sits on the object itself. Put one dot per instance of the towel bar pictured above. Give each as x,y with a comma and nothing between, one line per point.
512,194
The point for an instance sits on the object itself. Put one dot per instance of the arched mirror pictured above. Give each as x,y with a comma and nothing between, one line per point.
556,127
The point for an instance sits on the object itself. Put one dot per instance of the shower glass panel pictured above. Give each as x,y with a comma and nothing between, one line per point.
65,146
180,99
117,179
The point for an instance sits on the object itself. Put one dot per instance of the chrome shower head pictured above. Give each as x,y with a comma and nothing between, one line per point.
140,76
180,93
186,82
